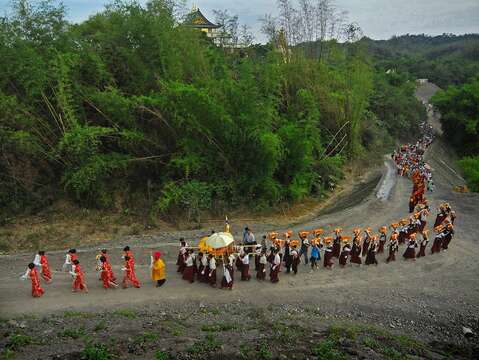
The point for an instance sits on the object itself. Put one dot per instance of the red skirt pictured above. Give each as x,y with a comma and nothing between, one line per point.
410,253
392,256
226,284
439,219
422,226
46,273
239,263
189,274
336,250
381,247
355,258
260,272
365,249
445,242
371,258
343,259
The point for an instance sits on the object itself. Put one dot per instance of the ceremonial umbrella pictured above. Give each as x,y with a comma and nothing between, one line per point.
219,243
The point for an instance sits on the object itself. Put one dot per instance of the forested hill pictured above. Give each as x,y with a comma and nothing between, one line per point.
131,110
445,60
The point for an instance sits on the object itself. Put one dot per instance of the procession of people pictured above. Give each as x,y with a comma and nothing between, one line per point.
281,253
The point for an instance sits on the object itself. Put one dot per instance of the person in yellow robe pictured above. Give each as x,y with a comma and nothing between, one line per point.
158,269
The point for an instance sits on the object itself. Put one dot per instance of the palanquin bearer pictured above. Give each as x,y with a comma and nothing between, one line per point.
261,270
228,272
106,274
182,256
275,266
371,256
203,262
158,269
130,276
356,249
42,262
78,277
393,247
442,214
337,242
382,239
438,239
239,259
410,253
366,241
423,245
328,253
212,270
189,270
32,273
245,275
346,251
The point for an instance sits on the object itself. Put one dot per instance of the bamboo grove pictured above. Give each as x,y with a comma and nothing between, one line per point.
130,108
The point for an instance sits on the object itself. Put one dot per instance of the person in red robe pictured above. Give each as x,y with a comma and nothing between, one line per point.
32,273
130,276
78,277
182,256
410,253
70,257
393,247
356,248
371,256
129,253
41,262
107,274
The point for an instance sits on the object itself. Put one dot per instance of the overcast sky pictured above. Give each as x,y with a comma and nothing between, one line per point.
379,19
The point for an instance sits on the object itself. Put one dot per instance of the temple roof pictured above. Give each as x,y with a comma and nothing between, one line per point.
197,20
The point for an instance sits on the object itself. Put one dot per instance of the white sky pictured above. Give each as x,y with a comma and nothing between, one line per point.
379,19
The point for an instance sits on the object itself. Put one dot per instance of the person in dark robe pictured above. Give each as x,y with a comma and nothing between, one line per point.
202,261
410,253
212,270
366,241
356,249
239,261
288,260
337,242
441,215
423,244
343,257
448,233
371,256
328,253
245,275
189,270
228,272
393,247
261,270
181,256
382,239
438,239
295,260
275,266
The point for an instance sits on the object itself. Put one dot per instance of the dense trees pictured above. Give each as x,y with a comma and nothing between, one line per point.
459,107
130,108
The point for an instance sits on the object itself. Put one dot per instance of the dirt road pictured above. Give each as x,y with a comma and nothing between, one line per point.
432,298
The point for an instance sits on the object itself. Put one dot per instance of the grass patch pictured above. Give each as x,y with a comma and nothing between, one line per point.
327,350
174,328
161,355
147,337
218,327
76,314
18,341
208,344
100,326
371,343
130,314
264,352
74,333
96,352
245,351
285,333
336,332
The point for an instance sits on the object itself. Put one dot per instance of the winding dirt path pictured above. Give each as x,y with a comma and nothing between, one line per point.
436,292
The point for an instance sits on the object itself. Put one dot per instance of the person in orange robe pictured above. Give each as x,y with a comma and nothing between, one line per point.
107,274
130,276
42,262
78,277
32,273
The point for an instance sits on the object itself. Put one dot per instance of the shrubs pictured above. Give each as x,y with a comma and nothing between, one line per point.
470,168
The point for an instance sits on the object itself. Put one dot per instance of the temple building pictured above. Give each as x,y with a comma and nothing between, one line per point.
197,20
